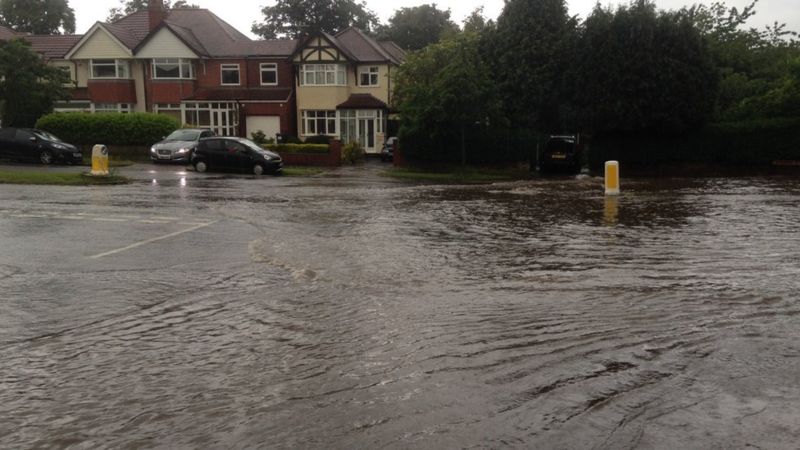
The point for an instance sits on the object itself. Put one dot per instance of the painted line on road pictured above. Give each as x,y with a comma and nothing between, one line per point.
150,241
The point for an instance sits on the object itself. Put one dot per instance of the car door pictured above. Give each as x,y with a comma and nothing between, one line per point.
8,143
214,150
27,145
238,156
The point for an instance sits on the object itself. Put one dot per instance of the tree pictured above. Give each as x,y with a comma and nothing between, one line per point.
476,22
445,93
642,70
293,18
38,16
418,26
127,7
532,46
28,86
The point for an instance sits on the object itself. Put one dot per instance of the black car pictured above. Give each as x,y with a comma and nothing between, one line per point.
178,146
561,153
235,154
387,152
30,144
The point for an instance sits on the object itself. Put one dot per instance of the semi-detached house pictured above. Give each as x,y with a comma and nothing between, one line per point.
192,65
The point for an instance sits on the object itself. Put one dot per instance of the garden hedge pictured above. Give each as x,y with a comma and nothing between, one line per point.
142,129
298,148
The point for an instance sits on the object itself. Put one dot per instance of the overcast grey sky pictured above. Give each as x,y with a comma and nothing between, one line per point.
242,13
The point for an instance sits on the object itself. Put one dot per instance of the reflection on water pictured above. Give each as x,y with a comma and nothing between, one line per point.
370,313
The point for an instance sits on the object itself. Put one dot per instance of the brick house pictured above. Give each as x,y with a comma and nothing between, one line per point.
192,65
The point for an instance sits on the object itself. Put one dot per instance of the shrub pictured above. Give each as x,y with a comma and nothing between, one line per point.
260,138
298,148
319,139
109,128
352,153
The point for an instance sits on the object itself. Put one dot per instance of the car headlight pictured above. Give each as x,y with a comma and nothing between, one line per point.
184,150
153,149
60,146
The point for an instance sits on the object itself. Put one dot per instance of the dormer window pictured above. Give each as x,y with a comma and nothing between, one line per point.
368,76
173,68
230,75
109,68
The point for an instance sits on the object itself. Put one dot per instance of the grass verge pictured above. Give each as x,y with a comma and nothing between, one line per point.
299,171
469,175
58,179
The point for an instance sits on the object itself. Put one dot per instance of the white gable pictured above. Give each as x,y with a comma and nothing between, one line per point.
98,43
164,44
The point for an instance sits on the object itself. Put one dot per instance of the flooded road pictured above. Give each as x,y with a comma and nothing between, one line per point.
350,310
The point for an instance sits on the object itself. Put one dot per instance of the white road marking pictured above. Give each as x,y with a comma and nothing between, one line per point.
150,241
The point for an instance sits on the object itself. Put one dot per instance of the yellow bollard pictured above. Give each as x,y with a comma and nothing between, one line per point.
611,210
612,178
100,160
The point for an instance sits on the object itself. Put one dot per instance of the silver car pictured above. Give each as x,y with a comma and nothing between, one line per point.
178,146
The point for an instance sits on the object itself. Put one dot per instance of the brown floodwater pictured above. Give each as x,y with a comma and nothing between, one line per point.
353,311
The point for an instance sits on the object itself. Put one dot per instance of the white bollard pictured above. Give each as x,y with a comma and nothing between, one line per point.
612,178
100,160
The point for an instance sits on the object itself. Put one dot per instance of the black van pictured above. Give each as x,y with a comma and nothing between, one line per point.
30,144
561,153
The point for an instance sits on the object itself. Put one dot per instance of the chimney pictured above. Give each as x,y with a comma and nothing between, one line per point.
155,13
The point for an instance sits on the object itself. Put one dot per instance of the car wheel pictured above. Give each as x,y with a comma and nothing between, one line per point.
258,169
200,166
46,157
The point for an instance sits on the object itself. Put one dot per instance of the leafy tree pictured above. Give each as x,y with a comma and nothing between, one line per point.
638,69
476,22
127,7
28,86
445,92
293,18
418,26
532,45
38,16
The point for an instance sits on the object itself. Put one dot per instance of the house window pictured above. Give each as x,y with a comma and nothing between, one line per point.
73,106
319,122
173,68
111,107
269,74
221,117
368,76
230,74
109,68
323,75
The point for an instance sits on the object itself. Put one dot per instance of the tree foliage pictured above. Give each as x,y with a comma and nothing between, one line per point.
38,16
639,69
415,27
443,90
532,46
127,7
28,86
293,18
476,22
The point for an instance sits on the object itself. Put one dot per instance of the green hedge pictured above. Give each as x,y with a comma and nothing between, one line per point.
755,142
298,148
109,128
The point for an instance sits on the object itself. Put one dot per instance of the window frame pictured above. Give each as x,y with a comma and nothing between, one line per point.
367,70
321,72
230,66
268,67
121,68
181,62
317,117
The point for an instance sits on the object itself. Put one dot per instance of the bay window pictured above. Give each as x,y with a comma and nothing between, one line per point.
173,68
319,123
323,75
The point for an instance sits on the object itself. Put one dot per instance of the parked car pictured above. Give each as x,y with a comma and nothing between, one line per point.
30,144
387,152
235,154
561,153
178,146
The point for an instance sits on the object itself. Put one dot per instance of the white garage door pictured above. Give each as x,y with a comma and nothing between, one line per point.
269,125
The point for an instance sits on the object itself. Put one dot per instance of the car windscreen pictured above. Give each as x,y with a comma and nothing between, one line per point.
46,136
183,135
250,144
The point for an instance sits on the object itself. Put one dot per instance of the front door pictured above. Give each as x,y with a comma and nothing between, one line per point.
366,133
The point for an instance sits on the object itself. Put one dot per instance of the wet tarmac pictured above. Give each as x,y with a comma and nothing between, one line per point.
349,310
